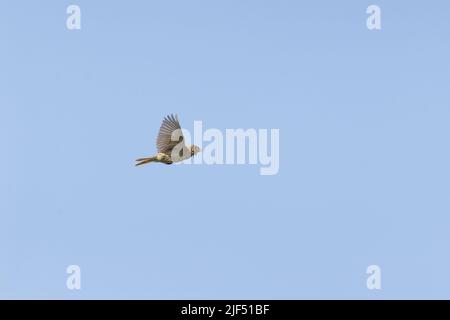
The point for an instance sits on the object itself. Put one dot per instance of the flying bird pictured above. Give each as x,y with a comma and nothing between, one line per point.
170,144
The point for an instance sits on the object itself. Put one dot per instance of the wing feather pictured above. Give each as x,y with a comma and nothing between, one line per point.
164,142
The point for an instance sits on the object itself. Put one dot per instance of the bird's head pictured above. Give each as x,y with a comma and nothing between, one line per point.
194,150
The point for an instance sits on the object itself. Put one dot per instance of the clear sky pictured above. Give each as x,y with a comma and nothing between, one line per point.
364,149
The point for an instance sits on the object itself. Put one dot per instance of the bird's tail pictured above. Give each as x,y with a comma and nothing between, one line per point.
142,161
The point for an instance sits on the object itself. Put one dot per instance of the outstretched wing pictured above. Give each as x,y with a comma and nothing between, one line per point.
169,134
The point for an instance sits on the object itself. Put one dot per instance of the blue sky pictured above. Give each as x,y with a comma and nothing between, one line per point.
364,159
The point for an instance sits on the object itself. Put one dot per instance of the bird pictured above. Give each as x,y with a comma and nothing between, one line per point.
170,144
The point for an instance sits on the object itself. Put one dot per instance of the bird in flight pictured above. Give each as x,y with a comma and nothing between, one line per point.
170,144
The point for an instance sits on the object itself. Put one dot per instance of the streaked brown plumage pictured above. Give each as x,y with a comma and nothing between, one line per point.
170,144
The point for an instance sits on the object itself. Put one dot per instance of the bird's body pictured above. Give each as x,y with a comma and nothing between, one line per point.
170,144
